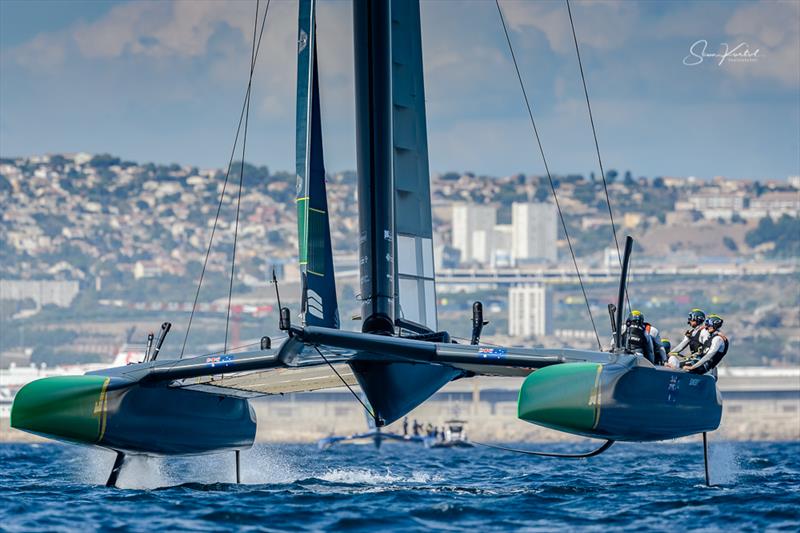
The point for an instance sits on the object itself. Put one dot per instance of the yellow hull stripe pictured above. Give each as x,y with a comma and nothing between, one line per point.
103,409
597,396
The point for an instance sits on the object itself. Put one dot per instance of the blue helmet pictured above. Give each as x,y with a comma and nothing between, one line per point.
714,321
696,315
635,318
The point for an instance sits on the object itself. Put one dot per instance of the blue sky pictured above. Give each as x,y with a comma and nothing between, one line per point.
162,81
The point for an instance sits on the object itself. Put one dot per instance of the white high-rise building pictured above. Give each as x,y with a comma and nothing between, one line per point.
501,246
482,245
529,311
468,219
534,232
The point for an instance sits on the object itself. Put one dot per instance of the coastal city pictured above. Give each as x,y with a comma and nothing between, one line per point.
92,245
97,251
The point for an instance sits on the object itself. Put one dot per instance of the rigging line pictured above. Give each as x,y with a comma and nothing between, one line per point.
483,343
224,186
549,176
241,179
597,146
369,411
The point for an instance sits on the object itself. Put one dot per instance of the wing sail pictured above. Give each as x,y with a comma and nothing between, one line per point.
319,305
414,279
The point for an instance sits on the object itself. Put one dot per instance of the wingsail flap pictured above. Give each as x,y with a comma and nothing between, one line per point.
414,279
320,307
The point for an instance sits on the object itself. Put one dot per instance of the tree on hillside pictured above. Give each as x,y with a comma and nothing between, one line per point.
104,161
785,233
629,179
542,194
730,244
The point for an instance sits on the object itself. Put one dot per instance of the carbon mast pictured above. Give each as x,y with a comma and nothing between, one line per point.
392,163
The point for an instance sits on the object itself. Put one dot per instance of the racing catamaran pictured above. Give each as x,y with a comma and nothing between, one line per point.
199,405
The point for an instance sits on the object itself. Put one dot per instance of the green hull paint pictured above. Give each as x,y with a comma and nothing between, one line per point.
71,408
561,397
622,402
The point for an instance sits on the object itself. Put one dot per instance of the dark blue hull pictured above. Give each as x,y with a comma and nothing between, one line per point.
620,401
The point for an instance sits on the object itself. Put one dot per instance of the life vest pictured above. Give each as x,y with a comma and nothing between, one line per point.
717,357
694,338
635,338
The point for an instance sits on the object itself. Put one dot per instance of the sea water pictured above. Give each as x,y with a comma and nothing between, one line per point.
405,487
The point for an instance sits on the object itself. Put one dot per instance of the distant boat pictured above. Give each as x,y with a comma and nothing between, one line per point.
376,435
454,436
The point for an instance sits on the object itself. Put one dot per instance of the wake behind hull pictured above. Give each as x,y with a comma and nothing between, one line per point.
619,402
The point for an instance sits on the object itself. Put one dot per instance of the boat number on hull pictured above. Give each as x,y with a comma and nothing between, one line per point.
672,389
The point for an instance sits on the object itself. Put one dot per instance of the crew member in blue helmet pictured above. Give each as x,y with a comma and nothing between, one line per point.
715,348
696,335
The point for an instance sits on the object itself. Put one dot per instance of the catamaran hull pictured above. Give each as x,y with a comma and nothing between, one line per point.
619,402
132,417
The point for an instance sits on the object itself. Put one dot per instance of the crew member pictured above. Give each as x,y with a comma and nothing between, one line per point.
635,338
658,351
666,345
696,335
673,360
714,348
